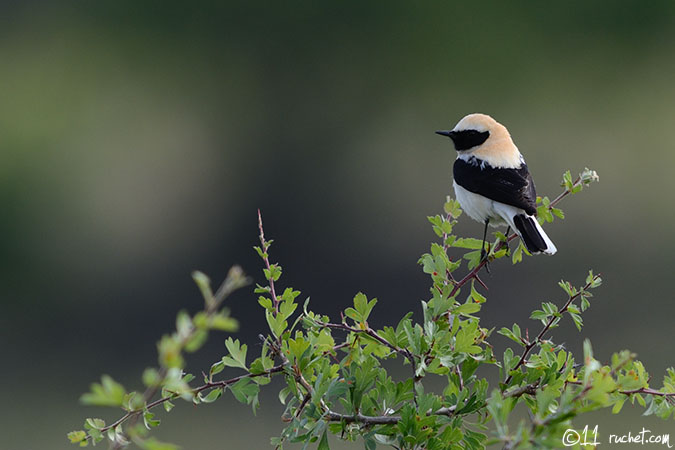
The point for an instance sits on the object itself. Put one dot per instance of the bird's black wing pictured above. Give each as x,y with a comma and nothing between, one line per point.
513,187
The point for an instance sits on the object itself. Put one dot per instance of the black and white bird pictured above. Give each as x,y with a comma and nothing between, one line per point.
492,183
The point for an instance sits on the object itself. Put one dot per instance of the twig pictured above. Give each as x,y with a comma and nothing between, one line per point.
530,345
233,281
195,391
373,334
642,390
147,395
265,246
648,391
527,389
381,420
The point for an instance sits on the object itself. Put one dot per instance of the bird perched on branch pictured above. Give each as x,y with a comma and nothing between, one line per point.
492,183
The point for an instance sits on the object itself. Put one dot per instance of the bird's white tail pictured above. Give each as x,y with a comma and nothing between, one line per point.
533,235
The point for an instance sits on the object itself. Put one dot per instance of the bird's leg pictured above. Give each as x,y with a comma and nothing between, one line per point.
508,248
483,253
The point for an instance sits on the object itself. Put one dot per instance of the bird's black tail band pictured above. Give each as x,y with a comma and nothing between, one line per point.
532,235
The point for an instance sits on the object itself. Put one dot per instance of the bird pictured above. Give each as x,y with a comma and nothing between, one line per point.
492,182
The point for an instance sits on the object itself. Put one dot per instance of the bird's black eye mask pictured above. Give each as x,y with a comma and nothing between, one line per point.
466,139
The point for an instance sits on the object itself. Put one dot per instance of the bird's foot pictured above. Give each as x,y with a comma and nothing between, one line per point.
508,248
484,258
506,242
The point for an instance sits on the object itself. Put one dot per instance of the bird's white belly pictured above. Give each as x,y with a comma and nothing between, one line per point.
479,208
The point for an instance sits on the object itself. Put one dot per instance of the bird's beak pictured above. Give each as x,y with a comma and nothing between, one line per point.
445,133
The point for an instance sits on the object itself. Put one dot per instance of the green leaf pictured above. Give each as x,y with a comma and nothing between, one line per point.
353,314
107,393
588,176
94,424
473,258
585,304
577,320
452,208
470,243
154,444
223,322
265,303
465,338
513,334
211,396
196,340
276,323
567,287
170,348
183,324
475,295
538,314
298,346
237,356
204,285
151,377
273,273
149,420
324,342
363,306
567,182
517,255
323,444
544,213
262,289
77,437
590,364
414,338
618,405
549,308
133,401
467,308
286,308
245,391
260,252
216,368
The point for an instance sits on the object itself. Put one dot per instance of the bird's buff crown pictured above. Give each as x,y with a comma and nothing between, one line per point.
498,150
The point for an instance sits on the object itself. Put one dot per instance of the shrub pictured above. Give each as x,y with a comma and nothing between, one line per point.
335,381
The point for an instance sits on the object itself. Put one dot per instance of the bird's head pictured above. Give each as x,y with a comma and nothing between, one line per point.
482,136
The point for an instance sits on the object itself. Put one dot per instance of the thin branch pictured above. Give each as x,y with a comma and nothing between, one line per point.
530,345
586,389
381,420
234,280
147,395
265,246
360,418
373,334
649,391
195,391
642,390
530,389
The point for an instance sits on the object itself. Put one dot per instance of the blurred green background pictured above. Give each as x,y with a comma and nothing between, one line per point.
137,140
